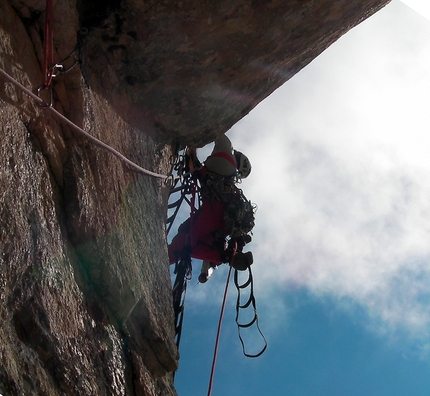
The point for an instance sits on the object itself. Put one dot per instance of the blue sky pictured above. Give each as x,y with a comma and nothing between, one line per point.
341,177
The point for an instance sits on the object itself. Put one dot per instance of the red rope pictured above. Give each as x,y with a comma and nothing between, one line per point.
221,316
188,239
48,56
193,203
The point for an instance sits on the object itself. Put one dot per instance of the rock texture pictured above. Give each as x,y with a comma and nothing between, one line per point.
84,279
164,62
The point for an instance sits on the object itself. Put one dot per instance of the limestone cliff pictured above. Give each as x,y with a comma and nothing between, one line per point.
84,279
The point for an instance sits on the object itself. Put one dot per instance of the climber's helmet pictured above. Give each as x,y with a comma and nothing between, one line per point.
243,164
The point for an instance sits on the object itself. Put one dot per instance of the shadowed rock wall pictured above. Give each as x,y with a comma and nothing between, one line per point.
84,280
85,287
162,63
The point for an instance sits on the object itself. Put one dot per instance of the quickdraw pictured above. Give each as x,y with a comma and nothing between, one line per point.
50,68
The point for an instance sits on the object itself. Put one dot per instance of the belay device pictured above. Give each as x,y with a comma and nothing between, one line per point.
185,188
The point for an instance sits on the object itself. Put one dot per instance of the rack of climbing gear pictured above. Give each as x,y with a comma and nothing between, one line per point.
184,185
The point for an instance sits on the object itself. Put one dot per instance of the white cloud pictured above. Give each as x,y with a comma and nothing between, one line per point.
341,172
420,6
342,179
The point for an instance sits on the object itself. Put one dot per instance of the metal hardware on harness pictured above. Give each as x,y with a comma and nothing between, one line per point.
182,183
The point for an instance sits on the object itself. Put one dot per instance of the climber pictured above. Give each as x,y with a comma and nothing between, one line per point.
206,231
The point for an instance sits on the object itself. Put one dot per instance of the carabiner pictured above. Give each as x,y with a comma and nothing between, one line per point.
38,91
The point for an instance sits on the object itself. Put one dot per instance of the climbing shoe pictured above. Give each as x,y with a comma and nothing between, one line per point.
206,272
241,261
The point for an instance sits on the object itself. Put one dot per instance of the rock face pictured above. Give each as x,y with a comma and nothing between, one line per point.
164,62
84,280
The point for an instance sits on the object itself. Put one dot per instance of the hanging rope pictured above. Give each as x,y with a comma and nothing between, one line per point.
251,301
221,317
48,66
48,58
81,132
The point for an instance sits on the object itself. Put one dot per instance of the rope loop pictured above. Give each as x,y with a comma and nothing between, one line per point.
251,302
48,50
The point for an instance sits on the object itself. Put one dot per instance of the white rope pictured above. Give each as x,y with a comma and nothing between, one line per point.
93,139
